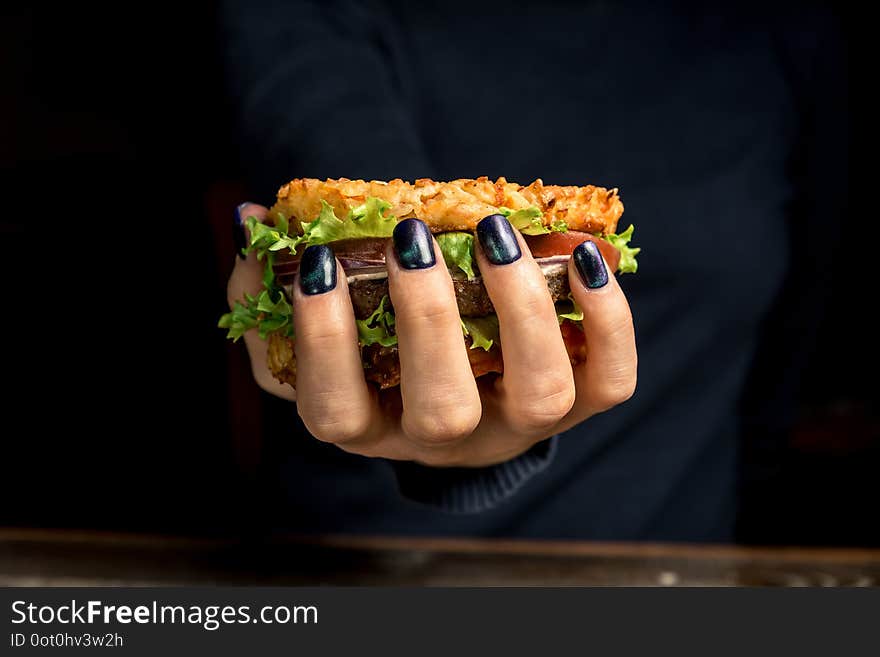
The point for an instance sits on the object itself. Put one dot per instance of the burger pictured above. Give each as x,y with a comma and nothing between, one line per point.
356,219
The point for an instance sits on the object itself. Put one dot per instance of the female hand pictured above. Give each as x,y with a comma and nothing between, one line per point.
441,415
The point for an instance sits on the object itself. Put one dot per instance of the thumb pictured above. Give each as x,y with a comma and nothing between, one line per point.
247,278
247,275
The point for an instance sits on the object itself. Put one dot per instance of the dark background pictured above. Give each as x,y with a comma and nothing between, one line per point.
120,167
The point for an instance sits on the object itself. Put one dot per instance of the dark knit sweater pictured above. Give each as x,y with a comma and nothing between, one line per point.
695,113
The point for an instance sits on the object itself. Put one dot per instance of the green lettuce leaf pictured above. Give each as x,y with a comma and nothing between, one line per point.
272,324
367,220
243,318
269,273
628,264
260,312
483,331
265,238
529,221
458,251
569,310
265,304
378,327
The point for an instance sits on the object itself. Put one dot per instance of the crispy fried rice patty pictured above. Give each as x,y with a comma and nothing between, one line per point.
455,205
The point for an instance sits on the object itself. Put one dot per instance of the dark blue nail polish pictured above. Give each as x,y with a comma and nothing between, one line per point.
414,245
589,263
317,270
498,239
238,237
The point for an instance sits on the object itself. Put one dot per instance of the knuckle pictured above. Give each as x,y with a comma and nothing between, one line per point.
441,428
430,311
333,427
619,324
545,406
322,335
614,392
533,300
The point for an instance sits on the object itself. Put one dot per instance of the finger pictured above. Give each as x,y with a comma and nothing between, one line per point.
334,400
247,278
608,376
441,404
537,387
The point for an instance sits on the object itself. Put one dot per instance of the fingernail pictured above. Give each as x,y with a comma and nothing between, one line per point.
498,240
317,270
413,244
238,236
590,265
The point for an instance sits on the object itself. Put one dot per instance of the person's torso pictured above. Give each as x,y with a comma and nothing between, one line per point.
689,116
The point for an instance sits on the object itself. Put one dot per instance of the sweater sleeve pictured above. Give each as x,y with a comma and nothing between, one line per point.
472,490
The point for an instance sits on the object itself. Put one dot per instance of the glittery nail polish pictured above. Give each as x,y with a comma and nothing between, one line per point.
238,236
317,270
498,240
589,263
414,245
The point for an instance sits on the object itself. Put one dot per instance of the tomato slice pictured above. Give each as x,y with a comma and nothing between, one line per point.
553,244
541,246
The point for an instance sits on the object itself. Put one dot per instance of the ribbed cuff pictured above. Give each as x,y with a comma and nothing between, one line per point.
472,490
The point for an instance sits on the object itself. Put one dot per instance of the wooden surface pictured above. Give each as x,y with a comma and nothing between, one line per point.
74,558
